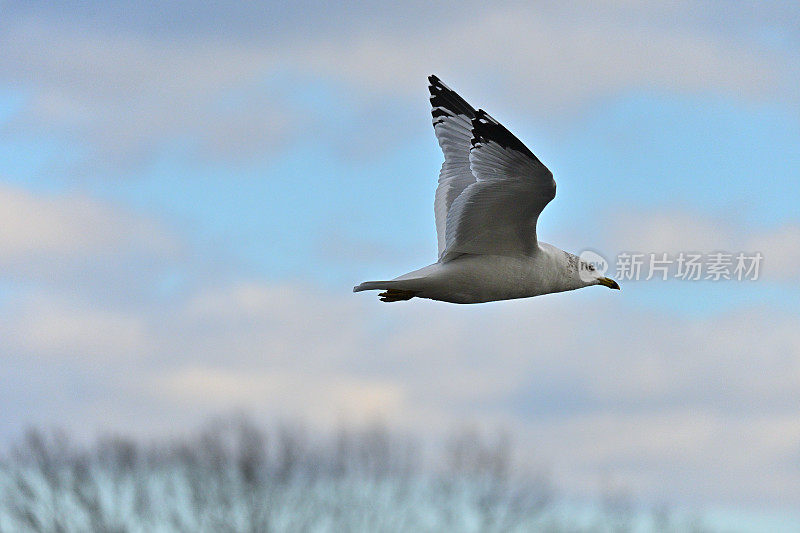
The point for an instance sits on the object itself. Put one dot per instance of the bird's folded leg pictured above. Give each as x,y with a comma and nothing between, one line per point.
396,295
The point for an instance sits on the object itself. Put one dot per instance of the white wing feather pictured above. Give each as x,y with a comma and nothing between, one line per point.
497,214
452,122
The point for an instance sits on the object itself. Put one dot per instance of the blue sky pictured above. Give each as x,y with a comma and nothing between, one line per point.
187,205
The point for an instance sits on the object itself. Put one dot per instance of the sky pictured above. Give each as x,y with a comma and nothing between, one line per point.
188,193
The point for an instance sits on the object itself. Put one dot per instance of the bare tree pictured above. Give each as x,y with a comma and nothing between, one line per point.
233,476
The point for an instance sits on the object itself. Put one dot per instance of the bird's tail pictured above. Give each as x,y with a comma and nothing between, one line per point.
391,294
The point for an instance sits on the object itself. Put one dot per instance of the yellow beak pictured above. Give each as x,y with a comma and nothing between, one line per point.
610,283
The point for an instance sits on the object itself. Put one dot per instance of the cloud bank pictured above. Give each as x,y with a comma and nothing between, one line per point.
120,87
588,386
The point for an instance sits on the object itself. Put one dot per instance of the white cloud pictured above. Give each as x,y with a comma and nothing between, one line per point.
53,328
550,60
321,400
699,454
685,231
76,247
671,407
54,227
781,249
124,93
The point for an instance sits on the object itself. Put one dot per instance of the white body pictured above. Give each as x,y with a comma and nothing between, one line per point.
485,278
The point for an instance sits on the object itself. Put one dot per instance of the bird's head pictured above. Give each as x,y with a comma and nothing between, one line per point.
591,275
591,268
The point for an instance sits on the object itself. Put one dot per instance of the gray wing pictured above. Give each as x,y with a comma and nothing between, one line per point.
452,122
497,214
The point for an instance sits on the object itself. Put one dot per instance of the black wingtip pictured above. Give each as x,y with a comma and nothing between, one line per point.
445,101
435,86
481,123
486,129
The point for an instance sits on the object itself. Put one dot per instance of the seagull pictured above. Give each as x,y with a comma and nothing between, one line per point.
490,194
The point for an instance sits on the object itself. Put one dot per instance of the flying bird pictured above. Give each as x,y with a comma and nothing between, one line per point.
490,194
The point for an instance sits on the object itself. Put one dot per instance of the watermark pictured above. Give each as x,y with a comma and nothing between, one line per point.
688,266
591,265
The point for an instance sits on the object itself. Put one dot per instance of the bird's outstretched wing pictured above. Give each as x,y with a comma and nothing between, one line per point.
497,213
452,122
